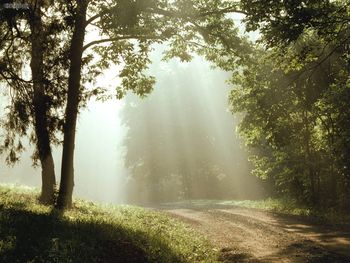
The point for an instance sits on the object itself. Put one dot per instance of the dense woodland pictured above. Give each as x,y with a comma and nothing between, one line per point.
292,86
295,95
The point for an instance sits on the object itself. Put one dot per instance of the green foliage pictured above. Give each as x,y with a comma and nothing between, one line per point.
187,27
30,232
282,22
296,129
17,82
292,127
125,30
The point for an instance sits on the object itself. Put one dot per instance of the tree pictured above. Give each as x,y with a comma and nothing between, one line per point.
130,28
40,103
291,119
282,22
35,100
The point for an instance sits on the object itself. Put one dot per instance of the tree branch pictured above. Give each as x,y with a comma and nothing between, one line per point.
114,39
91,19
230,9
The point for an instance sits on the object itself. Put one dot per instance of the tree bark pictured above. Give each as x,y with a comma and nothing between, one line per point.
309,160
76,51
334,173
41,109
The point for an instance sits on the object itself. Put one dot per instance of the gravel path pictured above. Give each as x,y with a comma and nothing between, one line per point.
250,235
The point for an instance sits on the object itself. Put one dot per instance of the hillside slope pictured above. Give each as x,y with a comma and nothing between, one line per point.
30,232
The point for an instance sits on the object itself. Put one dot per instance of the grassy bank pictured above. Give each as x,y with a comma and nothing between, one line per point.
30,232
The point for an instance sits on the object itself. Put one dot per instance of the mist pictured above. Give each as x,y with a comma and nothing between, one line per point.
98,161
185,120
182,141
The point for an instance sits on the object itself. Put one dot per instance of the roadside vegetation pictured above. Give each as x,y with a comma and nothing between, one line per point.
89,232
292,207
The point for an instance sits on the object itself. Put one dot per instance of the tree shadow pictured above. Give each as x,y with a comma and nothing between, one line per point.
309,251
314,242
334,238
27,236
231,255
318,242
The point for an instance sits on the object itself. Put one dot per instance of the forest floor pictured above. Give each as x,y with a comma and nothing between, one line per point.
253,235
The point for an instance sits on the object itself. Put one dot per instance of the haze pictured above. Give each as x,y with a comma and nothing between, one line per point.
192,97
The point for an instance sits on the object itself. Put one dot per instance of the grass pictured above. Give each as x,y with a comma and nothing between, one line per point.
291,207
279,205
30,232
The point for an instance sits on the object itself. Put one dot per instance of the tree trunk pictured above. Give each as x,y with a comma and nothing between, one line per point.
75,55
40,110
334,173
309,158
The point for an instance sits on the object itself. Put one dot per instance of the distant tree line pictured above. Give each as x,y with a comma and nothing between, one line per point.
180,143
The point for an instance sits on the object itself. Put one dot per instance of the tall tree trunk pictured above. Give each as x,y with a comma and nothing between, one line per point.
75,55
309,158
334,173
40,110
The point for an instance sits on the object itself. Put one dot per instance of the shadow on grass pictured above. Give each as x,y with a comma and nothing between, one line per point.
33,237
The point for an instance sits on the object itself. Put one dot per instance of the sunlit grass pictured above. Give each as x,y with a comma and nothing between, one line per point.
287,206
292,207
30,232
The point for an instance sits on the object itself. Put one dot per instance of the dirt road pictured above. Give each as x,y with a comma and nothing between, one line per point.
250,235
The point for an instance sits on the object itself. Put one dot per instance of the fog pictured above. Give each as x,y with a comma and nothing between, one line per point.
188,117
98,152
98,156
182,141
